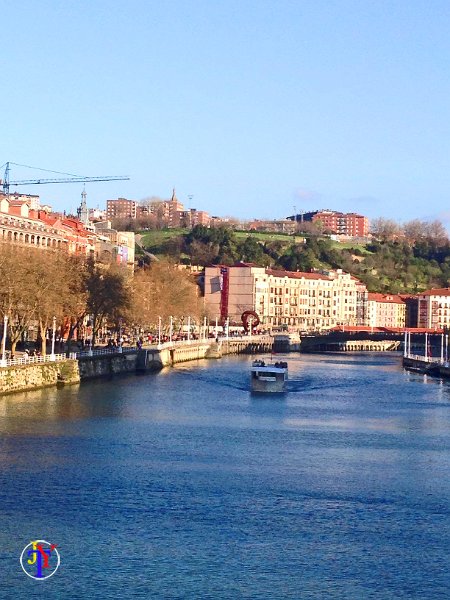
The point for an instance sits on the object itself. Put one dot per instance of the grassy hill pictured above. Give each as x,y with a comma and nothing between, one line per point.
389,266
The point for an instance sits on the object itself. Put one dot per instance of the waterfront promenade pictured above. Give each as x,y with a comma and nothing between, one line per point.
27,373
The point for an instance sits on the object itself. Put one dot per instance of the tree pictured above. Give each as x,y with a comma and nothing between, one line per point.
385,229
109,295
17,293
49,278
76,296
163,290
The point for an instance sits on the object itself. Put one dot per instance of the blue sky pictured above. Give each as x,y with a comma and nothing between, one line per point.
251,107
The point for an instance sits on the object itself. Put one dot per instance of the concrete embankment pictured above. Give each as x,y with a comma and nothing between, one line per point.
351,346
19,378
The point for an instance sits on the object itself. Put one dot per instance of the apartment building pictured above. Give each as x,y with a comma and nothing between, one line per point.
121,209
276,225
44,230
304,300
338,223
385,310
434,308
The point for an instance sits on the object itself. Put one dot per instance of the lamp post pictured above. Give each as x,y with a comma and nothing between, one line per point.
159,331
227,328
171,329
189,329
446,347
52,355
120,335
5,332
204,329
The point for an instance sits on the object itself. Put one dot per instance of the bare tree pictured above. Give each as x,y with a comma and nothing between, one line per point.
162,290
109,294
385,230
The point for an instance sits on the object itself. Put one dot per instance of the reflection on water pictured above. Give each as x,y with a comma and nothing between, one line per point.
182,484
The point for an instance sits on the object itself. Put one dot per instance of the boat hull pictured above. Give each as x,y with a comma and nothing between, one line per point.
268,387
267,378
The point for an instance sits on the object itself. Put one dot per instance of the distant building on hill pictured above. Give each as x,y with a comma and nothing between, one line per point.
276,225
121,209
338,223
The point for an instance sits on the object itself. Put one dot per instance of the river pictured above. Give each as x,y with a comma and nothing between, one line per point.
182,484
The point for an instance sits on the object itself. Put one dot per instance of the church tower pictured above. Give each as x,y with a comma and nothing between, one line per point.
82,210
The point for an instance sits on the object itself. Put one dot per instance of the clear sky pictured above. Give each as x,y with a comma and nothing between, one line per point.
250,106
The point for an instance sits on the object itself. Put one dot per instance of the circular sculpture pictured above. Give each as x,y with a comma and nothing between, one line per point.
247,317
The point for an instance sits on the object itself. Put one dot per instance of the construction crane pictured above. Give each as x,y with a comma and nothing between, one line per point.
6,183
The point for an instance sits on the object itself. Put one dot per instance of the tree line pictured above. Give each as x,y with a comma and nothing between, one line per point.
401,258
38,285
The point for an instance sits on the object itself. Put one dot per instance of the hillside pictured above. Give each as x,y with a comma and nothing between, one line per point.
389,266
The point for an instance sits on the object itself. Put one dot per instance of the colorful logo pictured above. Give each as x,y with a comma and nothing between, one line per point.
40,559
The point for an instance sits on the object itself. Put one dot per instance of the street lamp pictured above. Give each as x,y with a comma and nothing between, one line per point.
171,329
120,336
159,331
52,355
5,332
189,329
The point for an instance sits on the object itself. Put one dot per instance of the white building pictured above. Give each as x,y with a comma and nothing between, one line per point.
302,300
434,308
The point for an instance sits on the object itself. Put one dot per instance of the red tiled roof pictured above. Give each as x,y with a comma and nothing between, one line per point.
436,292
297,274
389,298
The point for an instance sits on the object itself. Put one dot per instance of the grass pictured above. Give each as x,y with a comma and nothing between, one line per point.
265,236
155,239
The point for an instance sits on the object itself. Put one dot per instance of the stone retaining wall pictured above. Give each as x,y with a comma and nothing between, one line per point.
20,378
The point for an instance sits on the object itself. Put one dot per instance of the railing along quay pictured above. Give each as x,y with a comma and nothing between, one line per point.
29,360
172,344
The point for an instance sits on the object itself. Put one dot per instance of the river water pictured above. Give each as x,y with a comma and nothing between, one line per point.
184,485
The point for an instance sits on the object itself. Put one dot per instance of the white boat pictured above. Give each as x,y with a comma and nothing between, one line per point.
268,378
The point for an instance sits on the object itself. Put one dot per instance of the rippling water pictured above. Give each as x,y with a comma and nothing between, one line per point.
184,485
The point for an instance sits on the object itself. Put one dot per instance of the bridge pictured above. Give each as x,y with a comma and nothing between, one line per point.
369,338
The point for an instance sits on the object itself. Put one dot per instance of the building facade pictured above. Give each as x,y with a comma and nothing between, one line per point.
21,224
385,310
307,301
276,225
121,209
338,223
434,308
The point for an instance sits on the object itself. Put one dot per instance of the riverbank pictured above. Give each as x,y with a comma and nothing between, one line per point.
107,363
